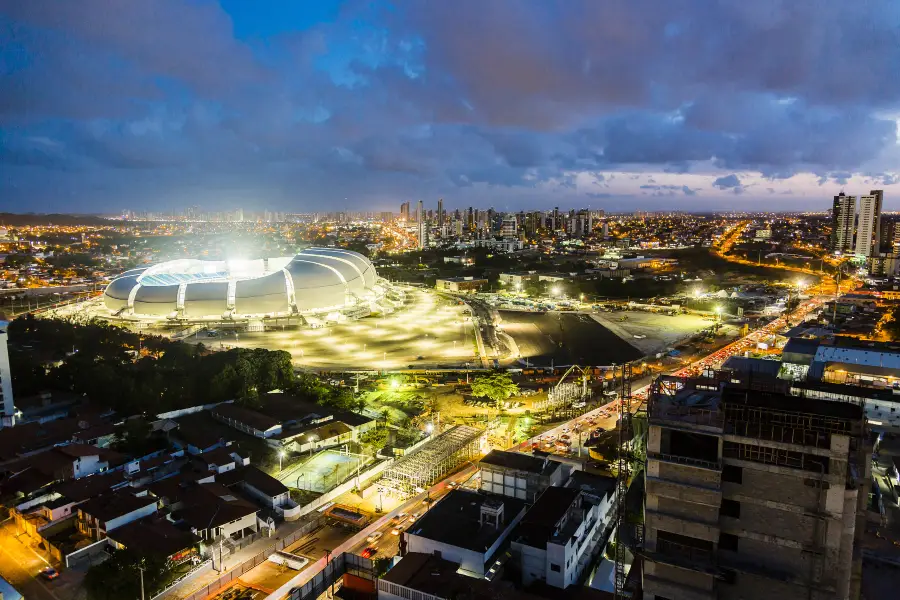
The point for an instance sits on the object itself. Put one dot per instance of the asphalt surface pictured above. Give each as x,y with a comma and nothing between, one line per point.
566,339
20,565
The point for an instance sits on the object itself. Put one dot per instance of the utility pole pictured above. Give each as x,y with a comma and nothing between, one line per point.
141,571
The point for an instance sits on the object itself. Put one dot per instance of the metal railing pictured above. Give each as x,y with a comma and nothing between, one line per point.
686,460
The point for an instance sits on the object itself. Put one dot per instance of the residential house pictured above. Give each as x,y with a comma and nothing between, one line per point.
106,512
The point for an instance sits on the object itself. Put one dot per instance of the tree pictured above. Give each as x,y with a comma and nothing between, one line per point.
497,386
892,327
118,577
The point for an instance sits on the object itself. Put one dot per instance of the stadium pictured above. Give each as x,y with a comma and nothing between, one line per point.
318,286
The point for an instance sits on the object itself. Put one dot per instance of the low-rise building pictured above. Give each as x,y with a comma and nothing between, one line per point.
467,528
106,512
561,533
518,475
460,284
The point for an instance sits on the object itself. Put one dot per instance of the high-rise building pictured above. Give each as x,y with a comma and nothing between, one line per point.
509,228
422,233
7,406
404,212
753,493
604,230
440,212
868,228
843,220
420,212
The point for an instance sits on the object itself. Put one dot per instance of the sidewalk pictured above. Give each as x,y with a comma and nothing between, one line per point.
207,575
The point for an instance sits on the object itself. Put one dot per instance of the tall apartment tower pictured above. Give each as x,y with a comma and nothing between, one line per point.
404,212
843,221
868,228
440,212
420,212
509,227
752,494
7,406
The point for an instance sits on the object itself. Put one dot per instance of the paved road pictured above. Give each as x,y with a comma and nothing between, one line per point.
20,564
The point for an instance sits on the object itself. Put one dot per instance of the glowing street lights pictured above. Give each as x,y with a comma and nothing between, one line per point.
281,456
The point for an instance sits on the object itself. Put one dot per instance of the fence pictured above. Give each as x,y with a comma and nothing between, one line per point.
230,576
345,487
88,552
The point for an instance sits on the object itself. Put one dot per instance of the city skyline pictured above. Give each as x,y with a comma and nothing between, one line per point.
362,106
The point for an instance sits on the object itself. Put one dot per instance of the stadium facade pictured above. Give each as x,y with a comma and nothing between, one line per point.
318,284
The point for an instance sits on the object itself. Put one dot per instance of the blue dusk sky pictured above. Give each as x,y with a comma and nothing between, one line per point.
316,105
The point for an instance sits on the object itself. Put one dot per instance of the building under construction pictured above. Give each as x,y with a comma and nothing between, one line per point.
752,493
435,459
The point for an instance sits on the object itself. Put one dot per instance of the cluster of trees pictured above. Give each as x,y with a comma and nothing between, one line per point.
133,374
497,386
892,327
118,576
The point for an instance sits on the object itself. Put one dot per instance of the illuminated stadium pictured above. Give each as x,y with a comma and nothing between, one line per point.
318,285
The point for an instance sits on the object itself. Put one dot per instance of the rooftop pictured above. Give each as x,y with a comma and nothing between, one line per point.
213,504
544,520
590,483
519,462
456,520
438,577
154,536
115,504
250,418
253,477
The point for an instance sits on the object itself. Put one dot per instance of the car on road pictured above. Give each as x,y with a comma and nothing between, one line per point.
369,552
396,530
49,573
374,537
453,484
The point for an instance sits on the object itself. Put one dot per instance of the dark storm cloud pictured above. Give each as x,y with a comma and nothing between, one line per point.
418,98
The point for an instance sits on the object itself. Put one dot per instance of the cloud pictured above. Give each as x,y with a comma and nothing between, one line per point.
729,182
466,99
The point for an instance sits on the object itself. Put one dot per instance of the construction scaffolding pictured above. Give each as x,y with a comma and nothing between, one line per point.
565,393
429,463
622,481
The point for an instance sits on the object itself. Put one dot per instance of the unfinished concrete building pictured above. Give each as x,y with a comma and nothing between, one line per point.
751,493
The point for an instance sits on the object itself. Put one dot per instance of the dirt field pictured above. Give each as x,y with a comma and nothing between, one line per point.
661,331
566,339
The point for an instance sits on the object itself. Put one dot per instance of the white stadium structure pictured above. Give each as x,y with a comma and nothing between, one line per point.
318,284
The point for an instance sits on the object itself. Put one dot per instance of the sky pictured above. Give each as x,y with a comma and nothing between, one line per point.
319,105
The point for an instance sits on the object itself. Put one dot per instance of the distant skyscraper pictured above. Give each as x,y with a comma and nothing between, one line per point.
440,212
604,230
420,212
843,218
404,212
422,227
868,229
509,228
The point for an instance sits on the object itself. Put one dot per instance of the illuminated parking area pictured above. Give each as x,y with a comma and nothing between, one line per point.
428,326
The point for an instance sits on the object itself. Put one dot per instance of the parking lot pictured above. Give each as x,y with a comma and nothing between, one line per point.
429,331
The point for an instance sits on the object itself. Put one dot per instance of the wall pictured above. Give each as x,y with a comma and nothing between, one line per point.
87,465
242,523
345,487
132,516
470,561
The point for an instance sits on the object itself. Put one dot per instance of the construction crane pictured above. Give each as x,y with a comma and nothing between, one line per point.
624,468
585,375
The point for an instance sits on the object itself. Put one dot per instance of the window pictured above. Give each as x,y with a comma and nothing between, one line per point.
730,508
554,567
728,542
733,474
729,576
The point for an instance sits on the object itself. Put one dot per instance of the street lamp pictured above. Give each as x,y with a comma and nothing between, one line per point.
555,291
280,458
312,441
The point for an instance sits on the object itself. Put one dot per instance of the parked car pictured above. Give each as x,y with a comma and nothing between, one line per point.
49,573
